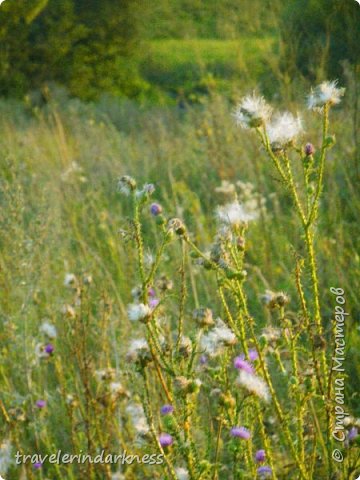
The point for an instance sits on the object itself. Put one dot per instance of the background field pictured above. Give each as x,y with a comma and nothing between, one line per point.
82,104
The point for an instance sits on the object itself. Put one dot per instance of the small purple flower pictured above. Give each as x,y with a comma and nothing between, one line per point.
166,440
260,456
153,303
155,209
309,149
203,360
49,348
166,409
264,472
40,403
253,354
240,432
38,465
241,364
151,292
353,433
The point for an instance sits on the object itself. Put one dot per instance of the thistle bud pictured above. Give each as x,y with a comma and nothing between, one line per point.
309,149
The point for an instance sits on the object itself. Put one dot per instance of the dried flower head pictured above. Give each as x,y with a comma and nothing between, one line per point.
138,312
182,473
219,337
48,329
325,93
254,384
283,130
203,317
252,111
235,214
126,185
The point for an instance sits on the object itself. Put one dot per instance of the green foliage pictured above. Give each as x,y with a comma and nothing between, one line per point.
318,35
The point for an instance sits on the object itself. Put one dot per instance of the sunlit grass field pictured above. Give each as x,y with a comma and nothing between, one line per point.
61,213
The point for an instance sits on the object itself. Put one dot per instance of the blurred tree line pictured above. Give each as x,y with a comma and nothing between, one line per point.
93,47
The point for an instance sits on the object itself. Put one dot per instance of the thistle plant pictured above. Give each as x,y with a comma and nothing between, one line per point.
210,392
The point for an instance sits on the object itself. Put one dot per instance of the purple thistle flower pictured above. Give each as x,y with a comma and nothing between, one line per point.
40,403
38,465
353,433
166,409
241,364
151,292
203,360
166,440
153,302
253,354
309,149
264,472
155,209
240,432
260,456
49,348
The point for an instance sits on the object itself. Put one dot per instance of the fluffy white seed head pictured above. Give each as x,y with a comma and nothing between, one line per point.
216,339
138,311
284,129
182,473
325,93
236,213
254,384
252,111
48,329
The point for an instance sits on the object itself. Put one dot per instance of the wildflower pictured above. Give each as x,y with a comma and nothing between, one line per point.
271,334
253,354
164,284
126,185
240,432
105,374
38,465
40,403
48,329
185,346
353,434
309,149
254,384
203,360
117,390
166,409
139,351
5,456
49,348
181,473
138,419
166,440
325,93
138,312
176,225
241,364
70,279
273,300
236,214
252,112
217,338
260,456
283,130
264,472
203,316
226,188
155,209
68,311
147,190
153,303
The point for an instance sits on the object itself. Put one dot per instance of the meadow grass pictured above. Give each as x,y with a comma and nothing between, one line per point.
62,214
